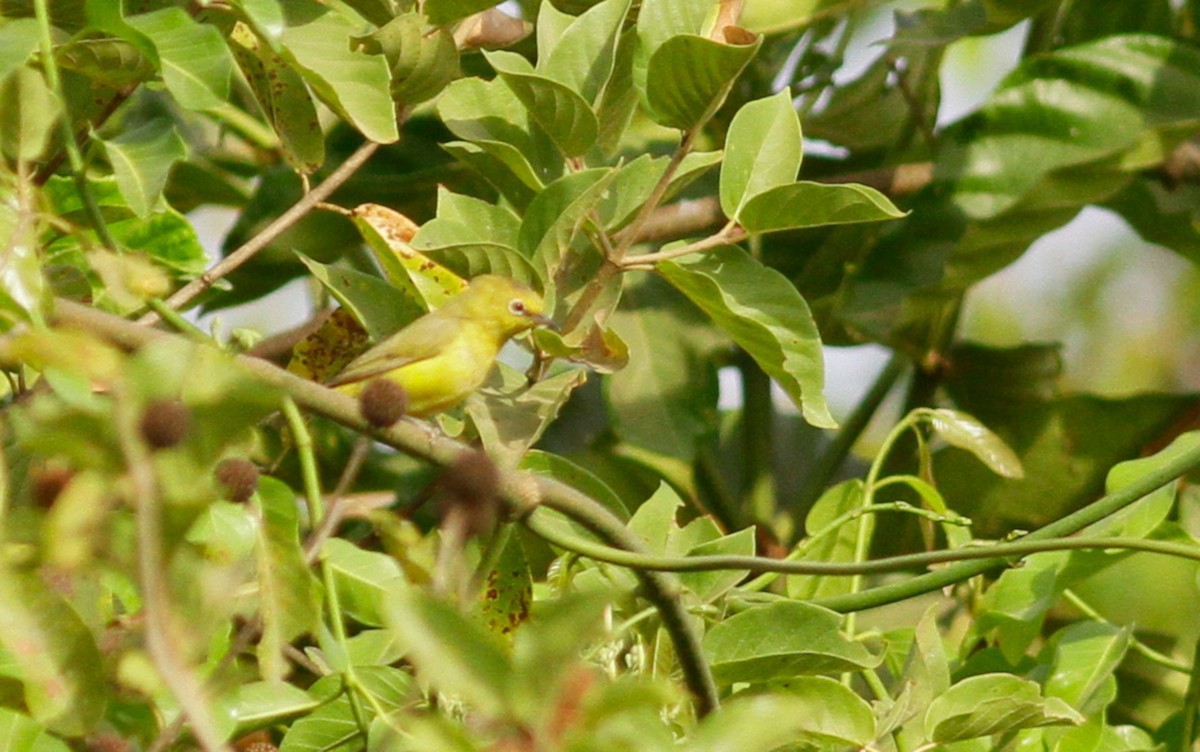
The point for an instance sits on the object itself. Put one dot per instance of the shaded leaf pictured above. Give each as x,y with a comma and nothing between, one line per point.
808,711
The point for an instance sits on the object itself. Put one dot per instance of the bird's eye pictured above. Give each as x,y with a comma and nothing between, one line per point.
516,307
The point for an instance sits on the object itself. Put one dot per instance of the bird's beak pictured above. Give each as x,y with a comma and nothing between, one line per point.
546,321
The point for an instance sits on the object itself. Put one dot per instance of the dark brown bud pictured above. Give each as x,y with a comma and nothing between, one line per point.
165,423
239,477
47,482
382,402
258,747
470,493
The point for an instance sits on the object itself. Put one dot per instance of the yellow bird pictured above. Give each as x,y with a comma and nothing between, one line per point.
443,357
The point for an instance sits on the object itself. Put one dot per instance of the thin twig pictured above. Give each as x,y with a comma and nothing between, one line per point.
162,639
191,290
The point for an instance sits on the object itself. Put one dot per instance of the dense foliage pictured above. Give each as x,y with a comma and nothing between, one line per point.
203,546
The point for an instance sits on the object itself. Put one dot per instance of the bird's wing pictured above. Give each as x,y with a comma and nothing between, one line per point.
420,340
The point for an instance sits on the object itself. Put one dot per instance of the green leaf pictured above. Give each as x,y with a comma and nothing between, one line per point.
142,159
452,652
965,432
765,315
1082,659
109,61
489,113
763,150
330,728
18,40
691,76
583,55
422,60
506,594
288,597
502,165
474,237
1142,517
20,733
374,303
807,712
510,415
61,668
805,204
354,84
658,21
283,97
833,546
562,469
708,586
556,215
561,112
29,112
634,183
779,641
366,580
261,703
195,61
993,704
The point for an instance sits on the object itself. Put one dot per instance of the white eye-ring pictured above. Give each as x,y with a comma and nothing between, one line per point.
516,307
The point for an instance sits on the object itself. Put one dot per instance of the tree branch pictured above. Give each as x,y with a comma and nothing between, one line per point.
191,290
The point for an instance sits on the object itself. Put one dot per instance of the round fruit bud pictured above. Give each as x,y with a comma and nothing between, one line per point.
383,402
239,477
47,482
165,423
470,493
108,742
258,747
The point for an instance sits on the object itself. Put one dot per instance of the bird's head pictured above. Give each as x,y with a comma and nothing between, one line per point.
509,305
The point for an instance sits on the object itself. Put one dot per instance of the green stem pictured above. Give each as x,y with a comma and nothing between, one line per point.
1191,705
74,157
834,455
312,494
765,579
994,555
177,322
1170,469
1135,644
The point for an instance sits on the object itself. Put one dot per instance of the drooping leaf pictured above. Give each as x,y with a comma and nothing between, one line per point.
451,651
365,580
965,432
765,315
285,101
